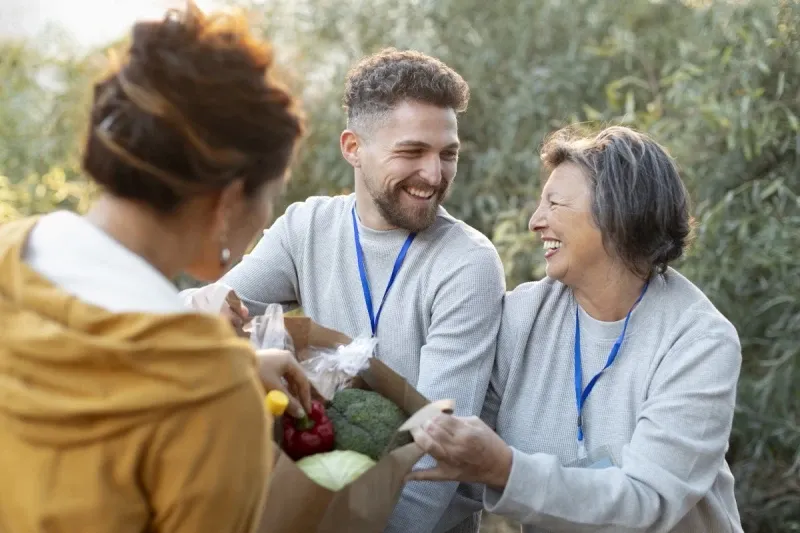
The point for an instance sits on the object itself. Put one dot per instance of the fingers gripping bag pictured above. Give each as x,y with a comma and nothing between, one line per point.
214,299
211,298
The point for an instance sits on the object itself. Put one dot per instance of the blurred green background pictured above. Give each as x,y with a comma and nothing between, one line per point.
717,82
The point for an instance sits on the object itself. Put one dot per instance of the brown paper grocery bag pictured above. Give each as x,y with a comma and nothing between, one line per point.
295,504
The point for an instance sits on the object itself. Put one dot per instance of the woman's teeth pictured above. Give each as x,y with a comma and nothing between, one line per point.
551,245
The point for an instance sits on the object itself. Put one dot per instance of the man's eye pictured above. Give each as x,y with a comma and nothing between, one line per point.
450,155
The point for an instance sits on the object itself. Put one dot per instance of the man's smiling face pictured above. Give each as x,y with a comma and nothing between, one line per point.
409,162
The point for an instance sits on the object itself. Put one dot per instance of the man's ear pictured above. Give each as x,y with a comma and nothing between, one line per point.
349,144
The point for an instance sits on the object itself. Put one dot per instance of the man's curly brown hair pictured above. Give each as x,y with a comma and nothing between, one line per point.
379,82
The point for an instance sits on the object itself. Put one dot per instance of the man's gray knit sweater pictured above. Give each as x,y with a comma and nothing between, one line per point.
664,409
439,324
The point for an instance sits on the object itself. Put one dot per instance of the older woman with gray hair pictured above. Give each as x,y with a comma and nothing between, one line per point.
615,382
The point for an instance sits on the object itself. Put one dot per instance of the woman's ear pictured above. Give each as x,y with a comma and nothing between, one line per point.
230,200
227,203
350,144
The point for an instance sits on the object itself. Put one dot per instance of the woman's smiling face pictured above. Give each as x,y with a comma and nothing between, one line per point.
573,244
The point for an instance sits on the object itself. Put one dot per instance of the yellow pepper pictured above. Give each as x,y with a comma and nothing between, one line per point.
276,402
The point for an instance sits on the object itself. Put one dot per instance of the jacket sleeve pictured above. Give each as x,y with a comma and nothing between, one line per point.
206,468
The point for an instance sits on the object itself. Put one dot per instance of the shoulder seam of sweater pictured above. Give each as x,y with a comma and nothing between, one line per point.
689,317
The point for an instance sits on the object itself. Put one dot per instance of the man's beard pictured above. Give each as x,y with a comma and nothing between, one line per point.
414,219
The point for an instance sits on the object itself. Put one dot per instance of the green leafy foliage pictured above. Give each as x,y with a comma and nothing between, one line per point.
717,82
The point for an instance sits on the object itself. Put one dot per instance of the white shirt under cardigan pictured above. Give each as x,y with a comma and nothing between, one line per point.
439,324
664,408
81,259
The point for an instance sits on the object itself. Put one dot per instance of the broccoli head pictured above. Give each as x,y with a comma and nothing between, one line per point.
366,422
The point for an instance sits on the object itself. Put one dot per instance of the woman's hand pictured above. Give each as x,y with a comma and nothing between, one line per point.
275,366
466,449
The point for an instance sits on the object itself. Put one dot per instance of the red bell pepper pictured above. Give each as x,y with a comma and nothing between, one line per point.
308,435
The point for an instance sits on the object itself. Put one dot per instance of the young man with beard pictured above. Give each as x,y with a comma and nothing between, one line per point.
388,260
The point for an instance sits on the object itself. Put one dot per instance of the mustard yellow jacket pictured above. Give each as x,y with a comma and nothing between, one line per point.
122,422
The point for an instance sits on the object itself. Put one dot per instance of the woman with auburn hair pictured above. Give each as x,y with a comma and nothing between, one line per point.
121,410
614,386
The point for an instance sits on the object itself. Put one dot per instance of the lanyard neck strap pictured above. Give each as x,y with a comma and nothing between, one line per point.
362,271
582,394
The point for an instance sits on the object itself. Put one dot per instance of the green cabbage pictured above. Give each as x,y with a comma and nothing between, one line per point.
335,470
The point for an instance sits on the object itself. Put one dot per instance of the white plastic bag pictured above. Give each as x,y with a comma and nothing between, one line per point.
331,370
268,330
210,298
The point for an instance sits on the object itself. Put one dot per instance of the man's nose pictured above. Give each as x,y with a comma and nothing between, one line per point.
431,171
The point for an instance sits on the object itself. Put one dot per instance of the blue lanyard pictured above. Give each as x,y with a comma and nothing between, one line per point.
580,397
362,270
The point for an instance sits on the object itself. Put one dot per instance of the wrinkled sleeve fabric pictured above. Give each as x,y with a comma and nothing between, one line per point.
465,512
456,362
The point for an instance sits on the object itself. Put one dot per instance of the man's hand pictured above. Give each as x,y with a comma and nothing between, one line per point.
236,313
466,450
279,370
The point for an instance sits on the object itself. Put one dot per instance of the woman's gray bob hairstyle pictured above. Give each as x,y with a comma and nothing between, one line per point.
638,199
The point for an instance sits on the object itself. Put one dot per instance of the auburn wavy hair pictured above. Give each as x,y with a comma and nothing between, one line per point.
192,107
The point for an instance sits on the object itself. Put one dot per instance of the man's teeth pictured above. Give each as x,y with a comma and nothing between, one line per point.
550,245
419,193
